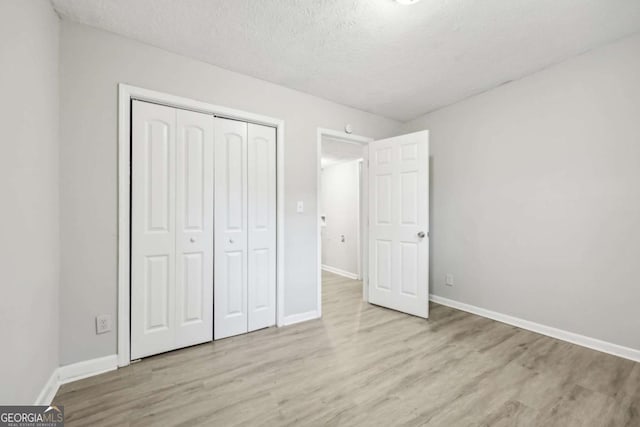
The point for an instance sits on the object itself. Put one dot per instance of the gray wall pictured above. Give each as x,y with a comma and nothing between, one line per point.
340,204
536,196
29,222
93,62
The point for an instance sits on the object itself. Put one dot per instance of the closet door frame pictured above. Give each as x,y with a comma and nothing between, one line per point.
127,93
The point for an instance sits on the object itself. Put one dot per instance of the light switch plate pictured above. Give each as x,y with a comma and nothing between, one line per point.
448,280
300,207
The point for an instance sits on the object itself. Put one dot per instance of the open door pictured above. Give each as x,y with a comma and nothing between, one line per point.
399,223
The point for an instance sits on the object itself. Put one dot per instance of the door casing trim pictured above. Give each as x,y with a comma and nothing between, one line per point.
364,210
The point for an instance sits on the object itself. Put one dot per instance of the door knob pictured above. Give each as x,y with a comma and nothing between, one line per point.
192,240
421,234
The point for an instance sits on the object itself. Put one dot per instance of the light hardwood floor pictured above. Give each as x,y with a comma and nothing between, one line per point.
364,365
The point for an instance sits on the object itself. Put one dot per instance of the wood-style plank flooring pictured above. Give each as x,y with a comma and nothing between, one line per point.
363,365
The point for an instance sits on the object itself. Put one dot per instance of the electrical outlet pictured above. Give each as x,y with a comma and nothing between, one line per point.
103,323
448,280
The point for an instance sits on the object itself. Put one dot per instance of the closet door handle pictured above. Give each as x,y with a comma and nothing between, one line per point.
421,234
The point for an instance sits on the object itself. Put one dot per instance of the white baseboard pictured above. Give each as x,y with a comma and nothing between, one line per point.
87,368
75,371
340,272
49,390
581,340
301,317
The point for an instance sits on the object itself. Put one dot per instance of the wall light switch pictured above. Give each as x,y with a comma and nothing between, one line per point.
448,280
103,323
300,207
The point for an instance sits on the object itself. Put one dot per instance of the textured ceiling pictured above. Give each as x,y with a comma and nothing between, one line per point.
375,55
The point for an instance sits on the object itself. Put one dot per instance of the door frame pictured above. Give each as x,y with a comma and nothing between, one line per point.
364,209
126,93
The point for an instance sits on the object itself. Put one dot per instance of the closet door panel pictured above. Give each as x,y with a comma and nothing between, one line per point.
261,226
194,228
230,294
153,232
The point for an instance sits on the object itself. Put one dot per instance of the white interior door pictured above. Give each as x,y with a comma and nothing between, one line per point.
262,226
230,294
153,248
399,223
194,228
171,229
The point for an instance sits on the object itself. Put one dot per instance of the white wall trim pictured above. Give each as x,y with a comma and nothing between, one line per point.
301,317
581,340
87,368
361,213
74,372
363,236
125,94
49,390
340,272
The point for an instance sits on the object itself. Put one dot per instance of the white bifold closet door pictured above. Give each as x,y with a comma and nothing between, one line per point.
172,187
245,227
